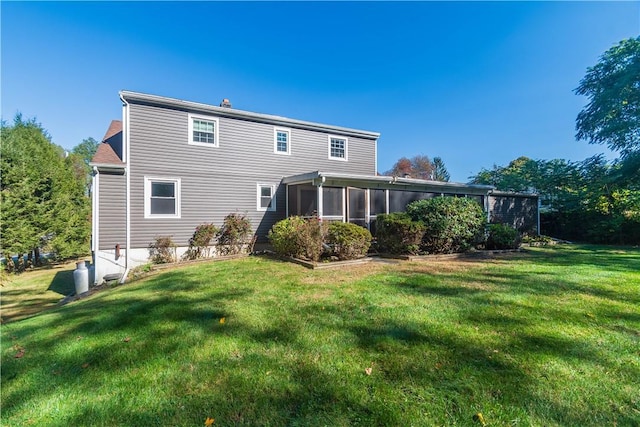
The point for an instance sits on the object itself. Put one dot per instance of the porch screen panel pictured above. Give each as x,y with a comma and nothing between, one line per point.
398,199
303,200
331,201
377,202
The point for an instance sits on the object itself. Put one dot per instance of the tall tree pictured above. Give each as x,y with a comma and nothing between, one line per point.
39,193
440,172
612,86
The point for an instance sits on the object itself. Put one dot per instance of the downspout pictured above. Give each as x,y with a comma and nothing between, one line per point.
487,205
95,217
539,205
127,172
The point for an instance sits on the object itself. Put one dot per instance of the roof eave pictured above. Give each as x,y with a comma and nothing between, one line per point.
441,185
246,115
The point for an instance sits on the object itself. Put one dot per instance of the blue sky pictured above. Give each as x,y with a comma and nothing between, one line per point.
476,83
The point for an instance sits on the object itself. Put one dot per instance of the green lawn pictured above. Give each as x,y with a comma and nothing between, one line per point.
544,338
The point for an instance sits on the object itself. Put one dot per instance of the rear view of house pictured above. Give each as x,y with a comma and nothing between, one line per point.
170,165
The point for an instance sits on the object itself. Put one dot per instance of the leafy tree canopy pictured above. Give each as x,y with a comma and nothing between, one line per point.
420,167
612,86
86,149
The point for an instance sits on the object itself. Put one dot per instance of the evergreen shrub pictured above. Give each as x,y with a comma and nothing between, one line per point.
299,237
503,236
396,233
348,241
452,224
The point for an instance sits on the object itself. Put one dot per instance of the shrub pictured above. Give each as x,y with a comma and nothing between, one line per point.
298,237
452,224
162,250
503,236
200,242
349,241
234,234
283,236
396,233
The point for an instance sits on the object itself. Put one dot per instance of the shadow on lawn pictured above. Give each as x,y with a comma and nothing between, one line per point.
62,283
418,359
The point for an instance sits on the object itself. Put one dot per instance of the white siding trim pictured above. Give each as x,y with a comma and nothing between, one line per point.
216,127
147,196
275,140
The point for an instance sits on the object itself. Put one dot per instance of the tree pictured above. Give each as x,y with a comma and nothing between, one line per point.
86,149
420,167
592,200
440,172
612,86
42,195
85,152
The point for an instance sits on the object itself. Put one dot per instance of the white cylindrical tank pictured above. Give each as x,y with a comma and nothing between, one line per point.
81,278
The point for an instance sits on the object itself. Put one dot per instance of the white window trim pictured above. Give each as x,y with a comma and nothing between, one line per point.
346,147
275,141
147,196
216,140
259,207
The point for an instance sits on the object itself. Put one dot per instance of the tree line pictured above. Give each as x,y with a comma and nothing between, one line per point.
44,194
46,202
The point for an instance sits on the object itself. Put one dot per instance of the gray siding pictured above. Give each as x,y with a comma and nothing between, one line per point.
216,181
112,211
521,212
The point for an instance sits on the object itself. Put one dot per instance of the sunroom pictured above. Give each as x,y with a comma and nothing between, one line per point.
359,199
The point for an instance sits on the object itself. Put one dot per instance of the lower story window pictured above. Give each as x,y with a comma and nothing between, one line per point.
266,197
162,197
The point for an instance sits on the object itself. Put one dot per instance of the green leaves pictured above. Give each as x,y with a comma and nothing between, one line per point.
612,86
43,198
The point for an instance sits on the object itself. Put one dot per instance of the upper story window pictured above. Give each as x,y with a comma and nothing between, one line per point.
337,148
282,141
266,197
161,197
203,130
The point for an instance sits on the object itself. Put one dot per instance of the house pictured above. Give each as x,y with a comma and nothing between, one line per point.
170,165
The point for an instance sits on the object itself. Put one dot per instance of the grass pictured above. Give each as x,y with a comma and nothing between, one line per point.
34,291
550,337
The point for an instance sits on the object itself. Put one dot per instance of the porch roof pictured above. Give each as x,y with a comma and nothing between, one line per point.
376,181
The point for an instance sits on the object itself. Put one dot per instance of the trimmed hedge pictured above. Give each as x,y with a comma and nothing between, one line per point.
452,224
503,236
298,237
396,233
349,241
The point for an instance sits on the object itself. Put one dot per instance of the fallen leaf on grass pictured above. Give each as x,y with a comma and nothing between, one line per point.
479,418
20,353
368,371
222,320
209,421
127,339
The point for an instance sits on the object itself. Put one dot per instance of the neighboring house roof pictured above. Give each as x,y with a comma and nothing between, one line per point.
105,156
128,96
114,128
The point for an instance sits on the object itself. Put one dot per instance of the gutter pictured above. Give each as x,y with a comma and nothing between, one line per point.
127,168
